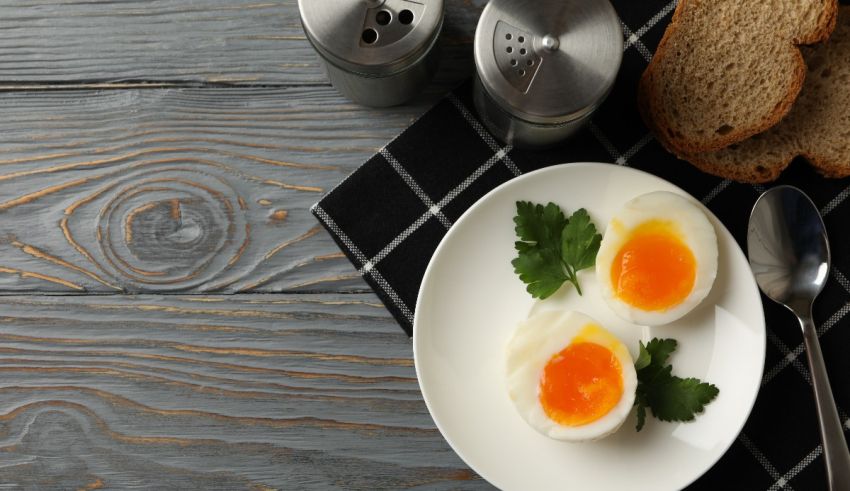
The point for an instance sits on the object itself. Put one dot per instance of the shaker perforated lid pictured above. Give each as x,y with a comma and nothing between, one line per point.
548,61
372,37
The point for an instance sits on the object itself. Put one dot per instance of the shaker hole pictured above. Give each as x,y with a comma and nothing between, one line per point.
513,62
530,62
383,17
508,36
522,51
370,36
509,49
521,39
522,73
405,17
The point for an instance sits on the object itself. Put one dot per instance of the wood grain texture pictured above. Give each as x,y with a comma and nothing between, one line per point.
187,190
204,41
131,186
212,392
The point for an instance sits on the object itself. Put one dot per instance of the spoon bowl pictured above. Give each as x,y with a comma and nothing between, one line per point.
788,248
789,255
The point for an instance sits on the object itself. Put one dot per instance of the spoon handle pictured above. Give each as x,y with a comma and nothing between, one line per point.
835,451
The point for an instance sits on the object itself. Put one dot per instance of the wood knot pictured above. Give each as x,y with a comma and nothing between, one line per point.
163,229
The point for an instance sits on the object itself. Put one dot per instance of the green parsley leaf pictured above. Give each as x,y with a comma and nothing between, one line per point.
541,270
670,398
661,349
641,414
679,399
538,225
579,245
643,358
552,248
579,241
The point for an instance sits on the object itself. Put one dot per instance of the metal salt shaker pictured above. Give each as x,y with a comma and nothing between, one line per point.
544,66
376,52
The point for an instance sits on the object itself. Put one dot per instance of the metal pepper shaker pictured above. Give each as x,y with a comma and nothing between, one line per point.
544,66
376,52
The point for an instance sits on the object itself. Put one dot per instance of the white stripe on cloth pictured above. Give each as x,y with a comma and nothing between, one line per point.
619,159
441,204
396,242
609,147
500,155
792,355
716,191
802,370
405,311
323,215
367,267
636,148
485,135
633,38
761,458
788,356
653,21
837,200
414,186
782,482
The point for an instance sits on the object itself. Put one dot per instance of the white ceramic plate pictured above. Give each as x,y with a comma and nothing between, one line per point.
470,302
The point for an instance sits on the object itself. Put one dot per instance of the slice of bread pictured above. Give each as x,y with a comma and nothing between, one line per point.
728,69
817,128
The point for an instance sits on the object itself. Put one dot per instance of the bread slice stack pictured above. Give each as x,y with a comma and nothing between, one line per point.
734,90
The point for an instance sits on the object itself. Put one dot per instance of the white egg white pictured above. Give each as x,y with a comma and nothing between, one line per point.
692,226
534,343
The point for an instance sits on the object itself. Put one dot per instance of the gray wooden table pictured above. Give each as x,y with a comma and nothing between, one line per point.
171,315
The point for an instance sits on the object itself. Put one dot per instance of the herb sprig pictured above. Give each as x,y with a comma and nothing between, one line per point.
670,398
552,248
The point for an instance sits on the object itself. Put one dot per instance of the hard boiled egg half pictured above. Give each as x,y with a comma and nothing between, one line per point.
568,377
658,259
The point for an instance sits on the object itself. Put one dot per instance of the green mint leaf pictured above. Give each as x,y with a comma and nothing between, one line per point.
677,399
580,242
644,358
541,270
539,225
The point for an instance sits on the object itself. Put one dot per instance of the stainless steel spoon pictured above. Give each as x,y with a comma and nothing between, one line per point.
789,255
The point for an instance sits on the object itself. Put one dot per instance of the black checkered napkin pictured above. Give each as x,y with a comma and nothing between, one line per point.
389,216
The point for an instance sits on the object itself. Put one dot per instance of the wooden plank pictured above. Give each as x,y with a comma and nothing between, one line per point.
247,391
208,41
185,190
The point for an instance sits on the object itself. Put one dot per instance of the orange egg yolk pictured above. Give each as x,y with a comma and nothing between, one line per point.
654,270
581,384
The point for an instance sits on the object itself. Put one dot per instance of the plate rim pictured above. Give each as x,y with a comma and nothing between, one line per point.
551,168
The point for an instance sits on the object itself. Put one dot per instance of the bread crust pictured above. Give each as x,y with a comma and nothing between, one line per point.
805,132
827,167
752,172
648,98
828,20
